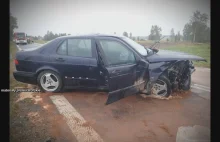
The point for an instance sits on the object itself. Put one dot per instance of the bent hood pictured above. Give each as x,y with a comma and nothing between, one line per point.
165,55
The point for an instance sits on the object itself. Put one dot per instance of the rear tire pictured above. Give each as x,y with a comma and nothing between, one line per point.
49,81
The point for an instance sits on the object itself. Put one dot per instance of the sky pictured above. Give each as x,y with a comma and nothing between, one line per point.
36,17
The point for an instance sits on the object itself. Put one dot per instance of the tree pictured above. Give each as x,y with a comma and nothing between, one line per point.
13,25
175,38
130,35
155,33
172,35
196,30
35,38
125,34
39,37
198,21
178,36
187,32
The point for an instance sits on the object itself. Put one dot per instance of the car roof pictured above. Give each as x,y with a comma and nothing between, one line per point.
92,35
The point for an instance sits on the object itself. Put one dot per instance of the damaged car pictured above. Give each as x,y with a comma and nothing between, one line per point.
112,63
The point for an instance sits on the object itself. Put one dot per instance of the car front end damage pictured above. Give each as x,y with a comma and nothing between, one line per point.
177,72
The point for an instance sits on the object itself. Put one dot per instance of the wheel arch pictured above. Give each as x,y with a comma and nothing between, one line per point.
44,68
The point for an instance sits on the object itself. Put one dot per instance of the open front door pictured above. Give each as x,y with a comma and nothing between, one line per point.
121,71
121,82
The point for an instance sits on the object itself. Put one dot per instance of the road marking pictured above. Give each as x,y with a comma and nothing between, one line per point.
19,48
202,86
196,87
75,121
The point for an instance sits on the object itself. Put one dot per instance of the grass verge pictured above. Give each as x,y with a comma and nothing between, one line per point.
13,82
202,50
40,41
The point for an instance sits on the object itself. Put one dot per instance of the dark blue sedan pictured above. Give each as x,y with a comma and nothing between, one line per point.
107,62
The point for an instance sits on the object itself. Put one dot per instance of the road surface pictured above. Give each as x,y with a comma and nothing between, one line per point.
133,118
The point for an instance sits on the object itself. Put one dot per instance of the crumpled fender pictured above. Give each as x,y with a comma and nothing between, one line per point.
155,70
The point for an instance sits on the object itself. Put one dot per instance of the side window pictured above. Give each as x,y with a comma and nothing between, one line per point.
116,53
62,49
79,47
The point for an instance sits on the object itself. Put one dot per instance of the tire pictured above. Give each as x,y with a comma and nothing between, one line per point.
187,84
55,77
164,80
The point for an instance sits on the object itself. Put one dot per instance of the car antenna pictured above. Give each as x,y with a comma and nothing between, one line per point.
153,45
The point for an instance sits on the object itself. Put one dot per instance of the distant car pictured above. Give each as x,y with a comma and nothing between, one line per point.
20,38
113,63
30,40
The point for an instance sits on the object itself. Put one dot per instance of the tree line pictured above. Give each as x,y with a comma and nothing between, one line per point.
50,35
196,30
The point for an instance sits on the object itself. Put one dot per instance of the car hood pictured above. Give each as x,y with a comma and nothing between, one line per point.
165,55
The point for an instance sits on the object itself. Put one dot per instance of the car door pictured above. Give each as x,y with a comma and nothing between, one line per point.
75,60
121,68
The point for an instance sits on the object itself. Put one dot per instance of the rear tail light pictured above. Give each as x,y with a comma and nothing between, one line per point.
16,62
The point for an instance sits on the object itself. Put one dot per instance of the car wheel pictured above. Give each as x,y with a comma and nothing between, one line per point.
49,81
162,87
187,84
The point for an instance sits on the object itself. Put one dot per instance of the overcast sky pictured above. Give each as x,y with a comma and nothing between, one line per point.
35,17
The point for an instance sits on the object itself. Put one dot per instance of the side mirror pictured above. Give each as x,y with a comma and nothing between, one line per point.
155,50
142,63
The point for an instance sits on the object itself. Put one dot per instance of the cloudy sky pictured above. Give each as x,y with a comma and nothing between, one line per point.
36,17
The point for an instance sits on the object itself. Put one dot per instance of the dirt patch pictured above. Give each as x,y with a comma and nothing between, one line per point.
145,122
38,120
166,129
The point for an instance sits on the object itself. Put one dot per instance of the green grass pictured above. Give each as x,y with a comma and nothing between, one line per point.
40,41
13,83
144,41
202,50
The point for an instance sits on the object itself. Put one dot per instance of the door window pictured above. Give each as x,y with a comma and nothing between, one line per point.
116,53
62,50
79,47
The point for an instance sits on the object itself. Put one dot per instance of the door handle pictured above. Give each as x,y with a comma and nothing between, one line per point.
60,59
116,72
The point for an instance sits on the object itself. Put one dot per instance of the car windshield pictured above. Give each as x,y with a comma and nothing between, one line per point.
141,49
20,35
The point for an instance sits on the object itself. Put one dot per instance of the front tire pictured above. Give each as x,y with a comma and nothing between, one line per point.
162,87
49,81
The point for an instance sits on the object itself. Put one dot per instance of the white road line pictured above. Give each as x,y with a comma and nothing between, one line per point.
75,121
19,48
196,87
202,86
